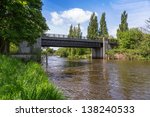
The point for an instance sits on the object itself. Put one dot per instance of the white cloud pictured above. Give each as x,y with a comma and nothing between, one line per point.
60,22
75,15
56,19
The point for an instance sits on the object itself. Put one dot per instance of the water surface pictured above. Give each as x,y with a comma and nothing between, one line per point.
100,79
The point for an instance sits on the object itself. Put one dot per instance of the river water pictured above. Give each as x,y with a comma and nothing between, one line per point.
100,79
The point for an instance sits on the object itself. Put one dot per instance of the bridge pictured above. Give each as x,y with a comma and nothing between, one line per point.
57,40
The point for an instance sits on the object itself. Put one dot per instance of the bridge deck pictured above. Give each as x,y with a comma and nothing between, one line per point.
57,40
65,41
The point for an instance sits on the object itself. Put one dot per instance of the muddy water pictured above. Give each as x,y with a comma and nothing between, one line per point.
100,79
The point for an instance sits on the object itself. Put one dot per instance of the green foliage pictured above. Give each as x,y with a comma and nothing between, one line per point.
62,52
78,31
133,44
21,20
70,31
92,32
130,54
103,32
130,39
13,48
75,32
74,52
25,81
145,46
124,25
49,51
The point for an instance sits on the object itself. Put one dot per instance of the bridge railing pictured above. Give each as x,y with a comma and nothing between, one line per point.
63,36
81,37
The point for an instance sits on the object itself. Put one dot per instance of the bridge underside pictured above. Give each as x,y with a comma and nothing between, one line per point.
70,43
97,50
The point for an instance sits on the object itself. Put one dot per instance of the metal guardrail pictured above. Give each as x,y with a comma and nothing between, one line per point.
63,36
78,38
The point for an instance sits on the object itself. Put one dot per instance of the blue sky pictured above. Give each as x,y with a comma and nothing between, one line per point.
60,14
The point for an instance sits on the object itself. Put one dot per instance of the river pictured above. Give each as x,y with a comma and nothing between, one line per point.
100,79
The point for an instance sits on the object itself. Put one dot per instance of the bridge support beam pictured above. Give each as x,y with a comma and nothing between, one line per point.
97,53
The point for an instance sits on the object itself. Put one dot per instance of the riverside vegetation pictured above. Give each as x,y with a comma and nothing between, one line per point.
22,21
133,43
25,81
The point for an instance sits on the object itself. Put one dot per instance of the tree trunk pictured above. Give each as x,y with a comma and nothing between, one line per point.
1,45
4,46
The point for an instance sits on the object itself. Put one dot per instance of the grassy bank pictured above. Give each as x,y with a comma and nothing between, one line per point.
126,54
20,81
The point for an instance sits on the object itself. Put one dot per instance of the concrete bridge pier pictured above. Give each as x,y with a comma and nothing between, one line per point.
97,53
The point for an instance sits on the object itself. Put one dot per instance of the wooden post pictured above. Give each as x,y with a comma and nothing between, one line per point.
104,47
46,60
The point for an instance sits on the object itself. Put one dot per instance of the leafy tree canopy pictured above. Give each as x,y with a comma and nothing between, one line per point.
103,32
130,39
92,32
75,32
124,25
145,45
21,20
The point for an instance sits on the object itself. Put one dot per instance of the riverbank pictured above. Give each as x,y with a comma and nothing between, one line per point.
25,81
126,54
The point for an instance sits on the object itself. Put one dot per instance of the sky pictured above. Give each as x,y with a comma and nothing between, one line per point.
60,14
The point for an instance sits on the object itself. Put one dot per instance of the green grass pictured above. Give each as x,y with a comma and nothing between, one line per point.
20,81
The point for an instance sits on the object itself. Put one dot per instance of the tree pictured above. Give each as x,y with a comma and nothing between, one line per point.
79,34
70,31
92,32
145,46
75,32
50,51
103,32
130,39
20,20
124,25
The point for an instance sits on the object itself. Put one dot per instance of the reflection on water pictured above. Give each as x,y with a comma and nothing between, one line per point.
100,79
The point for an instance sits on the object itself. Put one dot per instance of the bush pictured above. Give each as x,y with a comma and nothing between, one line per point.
145,46
25,81
130,39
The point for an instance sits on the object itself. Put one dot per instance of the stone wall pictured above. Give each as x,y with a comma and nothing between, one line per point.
30,52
